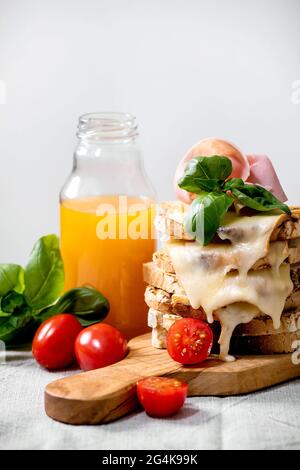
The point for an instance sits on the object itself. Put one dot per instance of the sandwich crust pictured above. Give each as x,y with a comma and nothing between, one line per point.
174,296
163,261
171,215
255,337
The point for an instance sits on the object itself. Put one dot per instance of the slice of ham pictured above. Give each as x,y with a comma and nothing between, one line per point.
257,169
262,172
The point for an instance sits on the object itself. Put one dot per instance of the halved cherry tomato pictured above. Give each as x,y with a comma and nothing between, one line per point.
53,342
189,341
161,396
99,345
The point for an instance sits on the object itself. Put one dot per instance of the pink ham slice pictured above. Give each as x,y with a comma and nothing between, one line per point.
256,169
209,147
262,172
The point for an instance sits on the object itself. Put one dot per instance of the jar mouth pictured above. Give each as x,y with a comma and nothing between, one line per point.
107,126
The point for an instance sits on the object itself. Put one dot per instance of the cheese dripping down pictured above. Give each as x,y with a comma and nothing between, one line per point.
218,277
230,317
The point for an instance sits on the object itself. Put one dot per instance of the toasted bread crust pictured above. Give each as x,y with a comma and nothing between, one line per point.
262,325
167,282
258,337
163,261
265,344
158,278
170,219
290,323
171,215
160,300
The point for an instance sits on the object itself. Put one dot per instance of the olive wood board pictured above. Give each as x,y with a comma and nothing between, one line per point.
104,395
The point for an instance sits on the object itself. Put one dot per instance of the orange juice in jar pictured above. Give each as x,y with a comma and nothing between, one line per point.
107,213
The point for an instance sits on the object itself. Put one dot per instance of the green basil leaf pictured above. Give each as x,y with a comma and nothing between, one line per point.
12,301
11,278
15,326
233,183
258,198
87,303
4,314
196,185
44,274
205,215
205,174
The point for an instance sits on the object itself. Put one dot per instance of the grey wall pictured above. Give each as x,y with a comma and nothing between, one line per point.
187,69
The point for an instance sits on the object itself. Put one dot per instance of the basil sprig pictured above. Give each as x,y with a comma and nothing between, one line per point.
208,178
31,295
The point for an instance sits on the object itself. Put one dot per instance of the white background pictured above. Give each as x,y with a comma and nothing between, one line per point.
187,69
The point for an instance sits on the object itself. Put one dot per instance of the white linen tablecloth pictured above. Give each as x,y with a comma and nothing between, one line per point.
268,419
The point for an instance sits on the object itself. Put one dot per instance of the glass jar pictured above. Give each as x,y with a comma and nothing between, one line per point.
107,212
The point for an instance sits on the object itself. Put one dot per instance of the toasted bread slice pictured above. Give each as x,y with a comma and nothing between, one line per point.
265,344
163,261
171,215
170,303
290,323
167,281
160,324
263,325
156,278
256,337
161,300
170,220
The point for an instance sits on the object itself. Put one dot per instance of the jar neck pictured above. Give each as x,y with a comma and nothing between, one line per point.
107,160
107,129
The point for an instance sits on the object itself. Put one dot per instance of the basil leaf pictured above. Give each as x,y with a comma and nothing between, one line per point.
233,183
208,177
205,174
11,278
196,185
258,198
205,215
214,167
12,327
87,303
4,314
12,301
44,274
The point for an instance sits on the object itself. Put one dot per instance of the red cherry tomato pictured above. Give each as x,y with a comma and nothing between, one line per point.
161,396
99,345
53,343
189,341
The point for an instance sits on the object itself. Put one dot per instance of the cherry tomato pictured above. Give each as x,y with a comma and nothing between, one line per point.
99,345
161,396
189,341
53,342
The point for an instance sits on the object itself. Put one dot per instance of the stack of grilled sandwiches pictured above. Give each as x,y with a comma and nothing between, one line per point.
246,283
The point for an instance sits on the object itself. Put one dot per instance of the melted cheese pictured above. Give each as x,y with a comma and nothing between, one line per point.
230,317
217,277
249,237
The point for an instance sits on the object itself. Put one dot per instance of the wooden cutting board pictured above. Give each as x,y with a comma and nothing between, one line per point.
106,394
